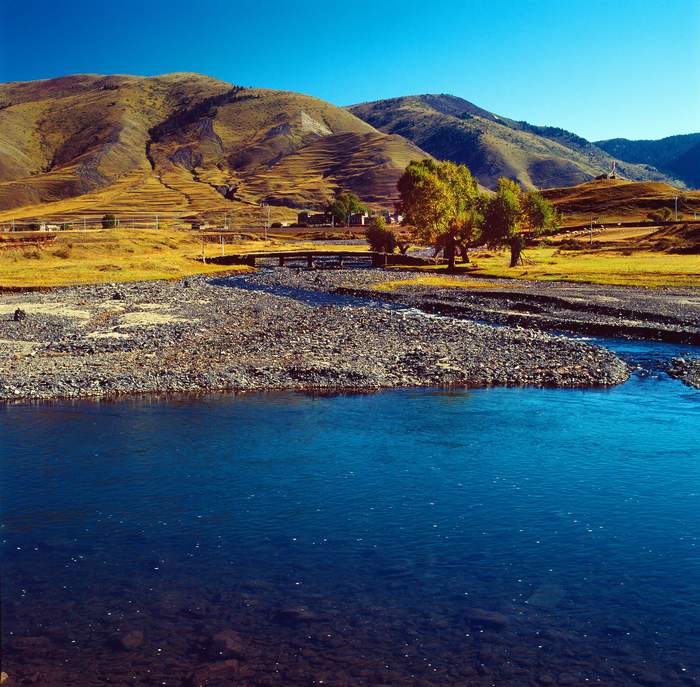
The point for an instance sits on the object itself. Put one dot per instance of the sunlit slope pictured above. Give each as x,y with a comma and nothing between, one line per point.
618,200
183,143
491,146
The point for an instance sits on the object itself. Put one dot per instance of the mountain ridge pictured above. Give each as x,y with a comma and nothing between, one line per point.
450,127
185,143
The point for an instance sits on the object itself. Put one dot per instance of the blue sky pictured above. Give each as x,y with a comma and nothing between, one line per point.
599,68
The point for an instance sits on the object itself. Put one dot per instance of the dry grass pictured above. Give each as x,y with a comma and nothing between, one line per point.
105,256
117,255
626,268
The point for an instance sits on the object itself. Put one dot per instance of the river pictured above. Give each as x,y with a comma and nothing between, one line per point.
409,537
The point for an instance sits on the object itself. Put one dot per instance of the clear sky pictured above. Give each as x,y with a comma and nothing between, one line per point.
600,68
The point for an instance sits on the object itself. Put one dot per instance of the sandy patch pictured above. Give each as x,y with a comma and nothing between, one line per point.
153,306
107,335
147,319
23,347
58,309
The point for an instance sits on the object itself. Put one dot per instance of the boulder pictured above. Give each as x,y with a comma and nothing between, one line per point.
131,640
295,615
212,674
490,619
20,315
226,644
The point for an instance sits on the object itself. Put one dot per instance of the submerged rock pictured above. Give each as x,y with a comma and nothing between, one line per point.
211,674
490,619
547,596
294,615
131,640
226,644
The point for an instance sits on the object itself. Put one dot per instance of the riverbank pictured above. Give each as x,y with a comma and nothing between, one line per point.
197,335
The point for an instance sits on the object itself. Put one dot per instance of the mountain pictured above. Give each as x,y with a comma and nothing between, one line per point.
616,200
183,144
675,155
451,128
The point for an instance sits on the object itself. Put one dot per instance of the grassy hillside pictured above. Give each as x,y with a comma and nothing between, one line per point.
676,155
492,146
182,144
616,200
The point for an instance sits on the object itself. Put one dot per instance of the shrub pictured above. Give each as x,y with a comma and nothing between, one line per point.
109,221
62,252
380,237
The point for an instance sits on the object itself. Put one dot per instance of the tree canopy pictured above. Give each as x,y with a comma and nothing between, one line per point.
511,214
380,236
441,201
345,204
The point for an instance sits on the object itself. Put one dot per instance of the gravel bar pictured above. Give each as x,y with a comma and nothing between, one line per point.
201,335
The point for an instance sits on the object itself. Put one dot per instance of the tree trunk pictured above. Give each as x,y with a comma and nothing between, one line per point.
450,253
517,243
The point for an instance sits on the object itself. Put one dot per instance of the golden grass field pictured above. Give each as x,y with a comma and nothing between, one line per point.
638,268
621,256
118,255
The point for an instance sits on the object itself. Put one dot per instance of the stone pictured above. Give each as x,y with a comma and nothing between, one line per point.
211,674
20,315
547,596
490,619
118,296
226,644
131,640
294,615
31,646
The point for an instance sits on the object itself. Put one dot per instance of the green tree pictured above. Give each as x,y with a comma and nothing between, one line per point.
502,218
440,200
381,238
343,205
109,221
512,214
539,215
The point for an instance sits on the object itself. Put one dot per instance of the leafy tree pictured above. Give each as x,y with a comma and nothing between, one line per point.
539,214
109,221
345,204
511,215
441,201
502,218
381,238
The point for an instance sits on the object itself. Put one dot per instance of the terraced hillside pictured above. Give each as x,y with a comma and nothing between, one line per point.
182,144
616,200
491,146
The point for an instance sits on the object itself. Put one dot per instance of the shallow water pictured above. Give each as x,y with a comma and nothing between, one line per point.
387,517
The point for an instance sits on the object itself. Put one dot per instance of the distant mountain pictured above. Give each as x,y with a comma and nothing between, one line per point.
184,144
492,146
678,156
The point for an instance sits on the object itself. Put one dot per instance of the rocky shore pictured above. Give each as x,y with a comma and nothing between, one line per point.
201,334
687,370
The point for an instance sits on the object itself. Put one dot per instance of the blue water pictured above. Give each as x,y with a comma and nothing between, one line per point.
386,516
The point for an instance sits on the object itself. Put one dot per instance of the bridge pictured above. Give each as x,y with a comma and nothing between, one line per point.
286,256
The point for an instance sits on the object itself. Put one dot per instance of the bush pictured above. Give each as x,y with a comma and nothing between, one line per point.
109,221
380,237
62,252
661,215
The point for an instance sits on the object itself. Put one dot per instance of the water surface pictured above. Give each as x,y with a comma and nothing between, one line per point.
348,538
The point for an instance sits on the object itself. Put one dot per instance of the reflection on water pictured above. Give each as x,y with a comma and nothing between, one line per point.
412,537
